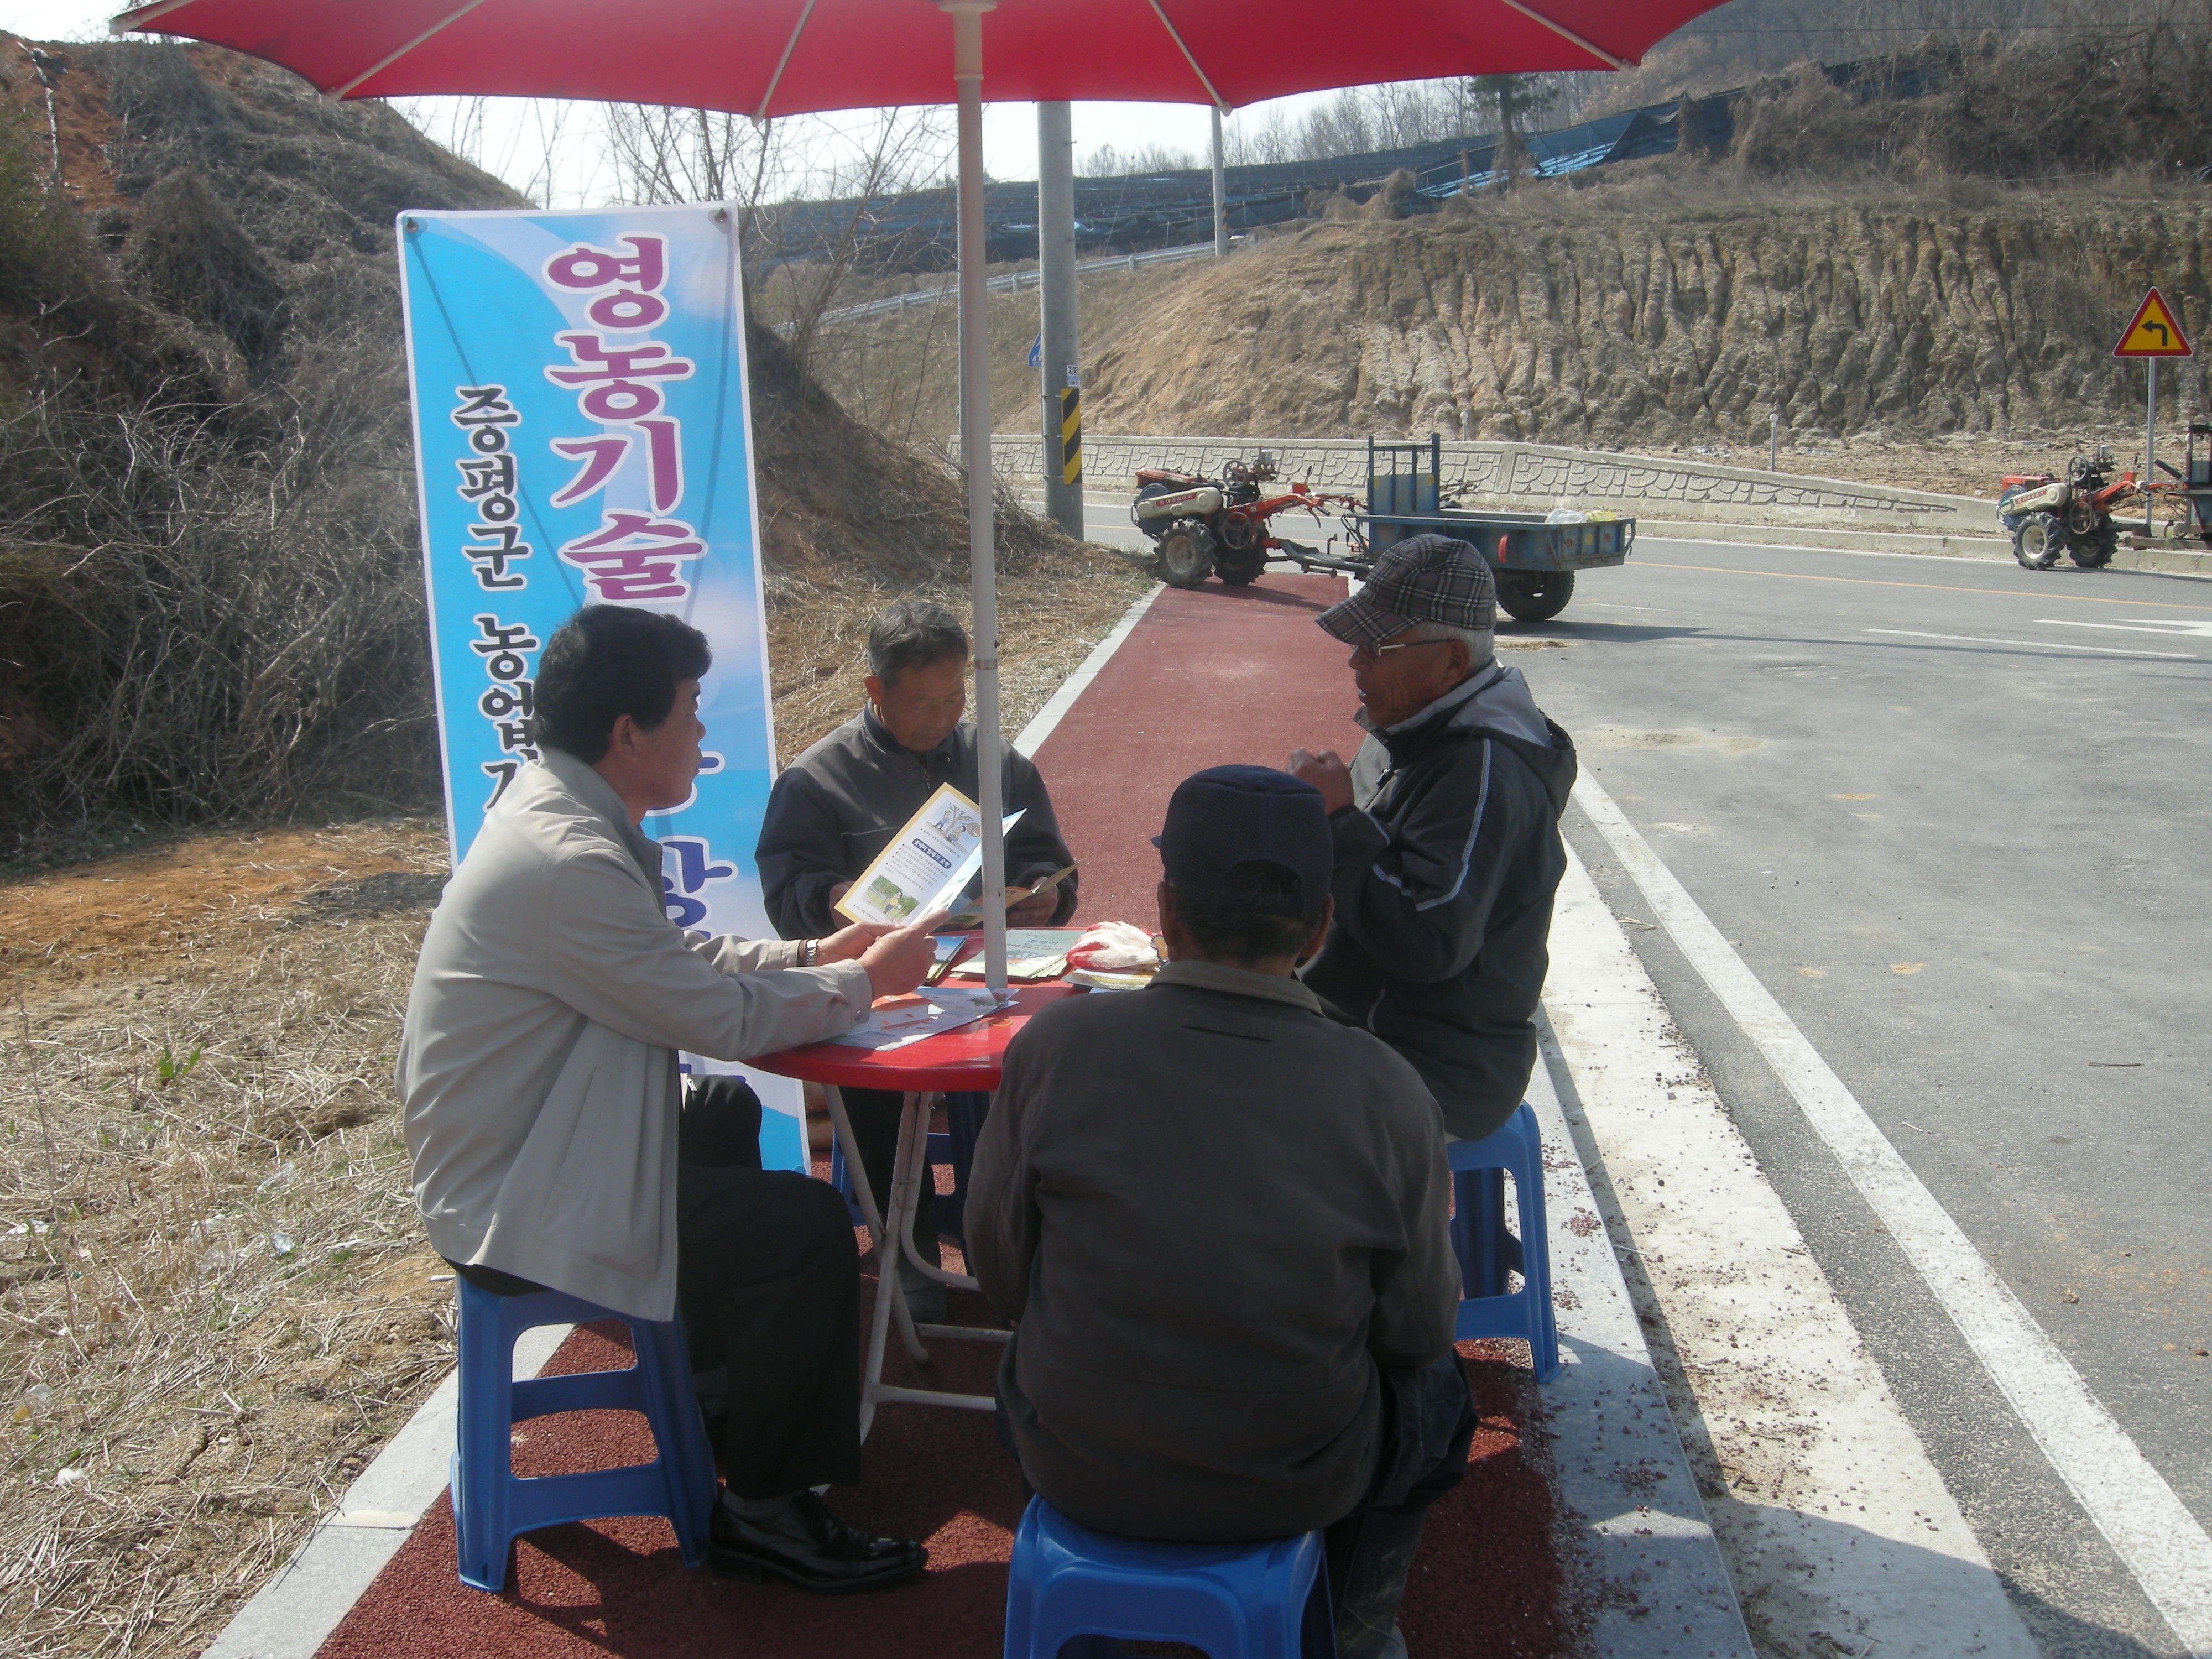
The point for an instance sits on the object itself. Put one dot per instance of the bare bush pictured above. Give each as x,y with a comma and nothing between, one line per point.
208,622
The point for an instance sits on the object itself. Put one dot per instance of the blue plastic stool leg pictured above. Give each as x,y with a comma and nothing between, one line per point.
1486,1249
1479,1233
492,1505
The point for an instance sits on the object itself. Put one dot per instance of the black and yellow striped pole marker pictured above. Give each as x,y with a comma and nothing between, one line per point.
1070,434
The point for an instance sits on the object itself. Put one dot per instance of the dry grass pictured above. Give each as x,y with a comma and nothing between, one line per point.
215,1301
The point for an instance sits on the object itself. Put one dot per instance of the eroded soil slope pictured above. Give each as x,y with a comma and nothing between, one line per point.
1573,324
1675,308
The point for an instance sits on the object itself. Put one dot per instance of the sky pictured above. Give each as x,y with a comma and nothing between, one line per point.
515,140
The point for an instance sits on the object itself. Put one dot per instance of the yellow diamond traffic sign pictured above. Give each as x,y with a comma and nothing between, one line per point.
2156,331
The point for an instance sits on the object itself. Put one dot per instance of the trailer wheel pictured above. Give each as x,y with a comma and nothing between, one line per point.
2094,551
2039,541
1535,595
1186,554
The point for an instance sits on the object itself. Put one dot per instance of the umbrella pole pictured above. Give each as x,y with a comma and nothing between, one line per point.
975,452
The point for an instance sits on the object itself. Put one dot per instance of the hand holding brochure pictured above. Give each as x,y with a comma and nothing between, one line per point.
927,866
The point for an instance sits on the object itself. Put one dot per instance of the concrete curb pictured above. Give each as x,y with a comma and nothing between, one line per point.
1823,538
1523,477
1650,1572
292,1615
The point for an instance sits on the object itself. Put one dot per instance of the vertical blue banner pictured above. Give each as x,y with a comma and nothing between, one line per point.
583,436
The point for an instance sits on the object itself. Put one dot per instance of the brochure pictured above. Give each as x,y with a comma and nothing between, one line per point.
971,914
898,1021
926,866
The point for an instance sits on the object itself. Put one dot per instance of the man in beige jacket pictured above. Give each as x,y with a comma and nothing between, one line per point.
538,1065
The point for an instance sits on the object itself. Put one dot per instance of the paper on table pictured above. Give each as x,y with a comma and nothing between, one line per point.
1032,953
932,857
898,1021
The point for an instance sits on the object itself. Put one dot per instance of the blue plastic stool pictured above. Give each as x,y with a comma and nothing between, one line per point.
1488,1249
1068,1584
492,1504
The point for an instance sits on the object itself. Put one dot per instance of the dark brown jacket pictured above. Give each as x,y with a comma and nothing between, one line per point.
1214,1213
839,804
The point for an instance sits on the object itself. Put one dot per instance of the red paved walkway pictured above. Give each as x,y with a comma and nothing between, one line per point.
1209,676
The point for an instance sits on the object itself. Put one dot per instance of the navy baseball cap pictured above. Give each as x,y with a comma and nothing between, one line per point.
1226,815
1430,578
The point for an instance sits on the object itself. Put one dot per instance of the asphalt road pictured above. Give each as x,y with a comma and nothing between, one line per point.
1950,812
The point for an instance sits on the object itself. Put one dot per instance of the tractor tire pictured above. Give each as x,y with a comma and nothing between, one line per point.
1535,596
2094,551
2039,542
1185,555
1238,556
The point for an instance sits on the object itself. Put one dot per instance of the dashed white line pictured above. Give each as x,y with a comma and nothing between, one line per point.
2039,644
2149,1528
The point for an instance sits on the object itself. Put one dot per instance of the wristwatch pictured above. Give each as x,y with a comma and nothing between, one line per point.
810,952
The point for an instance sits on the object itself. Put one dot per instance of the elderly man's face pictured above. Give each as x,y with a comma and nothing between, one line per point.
922,706
1403,676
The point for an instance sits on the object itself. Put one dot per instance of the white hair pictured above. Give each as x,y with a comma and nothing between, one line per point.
1481,643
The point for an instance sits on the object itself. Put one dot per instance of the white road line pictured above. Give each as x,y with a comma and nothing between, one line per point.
2149,1528
1041,724
2135,625
1646,1563
2039,644
1838,1530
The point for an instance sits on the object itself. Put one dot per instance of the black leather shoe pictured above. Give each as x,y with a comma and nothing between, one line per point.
808,1545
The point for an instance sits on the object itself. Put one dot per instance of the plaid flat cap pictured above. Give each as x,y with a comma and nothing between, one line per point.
1422,579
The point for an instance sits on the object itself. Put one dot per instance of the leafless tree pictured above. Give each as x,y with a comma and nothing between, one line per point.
865,163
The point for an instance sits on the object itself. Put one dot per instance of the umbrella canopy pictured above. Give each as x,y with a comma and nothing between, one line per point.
764,57
769,58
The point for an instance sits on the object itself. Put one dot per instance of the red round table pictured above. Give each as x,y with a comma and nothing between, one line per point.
968,1057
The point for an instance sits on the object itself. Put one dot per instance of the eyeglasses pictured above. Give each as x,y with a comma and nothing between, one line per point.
1403,645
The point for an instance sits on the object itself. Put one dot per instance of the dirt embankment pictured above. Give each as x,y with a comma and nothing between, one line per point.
1569,323
1675,307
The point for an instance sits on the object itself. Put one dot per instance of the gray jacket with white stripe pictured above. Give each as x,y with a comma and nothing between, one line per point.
1445,868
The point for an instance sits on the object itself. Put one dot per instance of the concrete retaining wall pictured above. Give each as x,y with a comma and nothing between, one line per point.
1538,477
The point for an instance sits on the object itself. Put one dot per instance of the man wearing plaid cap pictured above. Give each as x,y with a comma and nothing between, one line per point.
1446,826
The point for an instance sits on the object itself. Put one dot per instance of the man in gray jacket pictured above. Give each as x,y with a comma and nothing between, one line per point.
1220,1220
1446,826
540,1070
837,807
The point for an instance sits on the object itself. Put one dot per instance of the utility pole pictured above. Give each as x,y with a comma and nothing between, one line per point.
1058,367
1220,194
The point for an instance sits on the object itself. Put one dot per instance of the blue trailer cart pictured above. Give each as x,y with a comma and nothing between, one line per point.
1534,560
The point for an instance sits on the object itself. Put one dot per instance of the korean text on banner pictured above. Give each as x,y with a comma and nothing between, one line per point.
583,436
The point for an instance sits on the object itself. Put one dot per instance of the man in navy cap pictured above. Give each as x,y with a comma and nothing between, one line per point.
1447,834
1220,1220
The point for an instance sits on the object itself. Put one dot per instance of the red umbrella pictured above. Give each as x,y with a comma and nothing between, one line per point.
766,58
